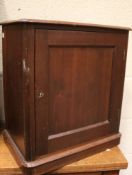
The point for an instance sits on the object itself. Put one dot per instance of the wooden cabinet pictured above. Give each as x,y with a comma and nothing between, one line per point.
63,86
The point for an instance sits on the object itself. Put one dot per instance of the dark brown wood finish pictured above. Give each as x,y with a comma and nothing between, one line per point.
111,173
66,23
28,90
13,90
41,87
82,100
63,87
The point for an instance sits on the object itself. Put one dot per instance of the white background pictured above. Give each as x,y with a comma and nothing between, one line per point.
112,12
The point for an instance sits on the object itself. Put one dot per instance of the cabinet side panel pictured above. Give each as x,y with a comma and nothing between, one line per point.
13,83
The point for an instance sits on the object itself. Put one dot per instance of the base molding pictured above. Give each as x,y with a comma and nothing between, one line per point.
56,160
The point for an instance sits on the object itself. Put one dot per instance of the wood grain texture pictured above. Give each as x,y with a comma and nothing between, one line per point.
41,103
79,71
12,65
8,164
112,159
82,79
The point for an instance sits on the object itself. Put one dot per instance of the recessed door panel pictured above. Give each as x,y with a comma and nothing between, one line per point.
79,87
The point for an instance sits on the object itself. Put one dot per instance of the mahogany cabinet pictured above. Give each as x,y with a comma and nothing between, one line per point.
63,87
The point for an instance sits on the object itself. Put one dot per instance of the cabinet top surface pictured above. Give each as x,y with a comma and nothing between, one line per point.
54,22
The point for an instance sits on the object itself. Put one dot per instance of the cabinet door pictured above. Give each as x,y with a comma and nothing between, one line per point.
78,86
